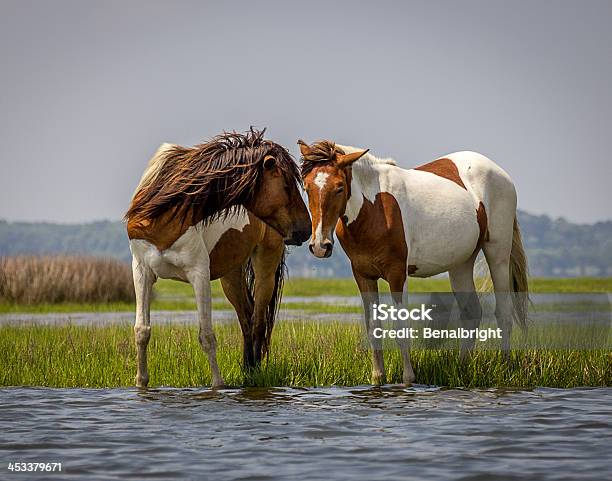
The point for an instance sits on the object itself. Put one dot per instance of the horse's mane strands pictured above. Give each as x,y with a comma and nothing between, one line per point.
324,152
368,158
320,153
203,182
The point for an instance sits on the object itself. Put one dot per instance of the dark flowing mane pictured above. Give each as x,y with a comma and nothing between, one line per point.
202,182
321,153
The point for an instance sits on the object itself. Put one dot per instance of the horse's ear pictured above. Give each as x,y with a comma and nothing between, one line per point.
269,162
304,148
345,160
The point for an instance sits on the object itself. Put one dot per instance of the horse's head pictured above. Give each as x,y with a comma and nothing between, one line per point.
326,171
277,200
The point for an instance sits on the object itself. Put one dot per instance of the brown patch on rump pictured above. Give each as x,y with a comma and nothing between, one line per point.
162,232
483,235
444,168
375,241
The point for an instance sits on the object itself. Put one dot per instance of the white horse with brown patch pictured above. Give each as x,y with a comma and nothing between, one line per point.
192,199
394,223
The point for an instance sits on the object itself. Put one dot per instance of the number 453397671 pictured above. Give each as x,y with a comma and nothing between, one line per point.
48,467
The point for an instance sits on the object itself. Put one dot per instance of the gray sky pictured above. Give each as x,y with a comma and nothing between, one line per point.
88,90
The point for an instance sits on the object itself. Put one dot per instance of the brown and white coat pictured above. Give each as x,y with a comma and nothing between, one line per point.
394,223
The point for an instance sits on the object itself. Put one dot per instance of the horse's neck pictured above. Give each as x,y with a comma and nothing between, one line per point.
365,182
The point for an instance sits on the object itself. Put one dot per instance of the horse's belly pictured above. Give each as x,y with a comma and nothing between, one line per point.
442,236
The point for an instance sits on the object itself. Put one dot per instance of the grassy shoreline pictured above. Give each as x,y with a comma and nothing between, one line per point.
177,296
304,354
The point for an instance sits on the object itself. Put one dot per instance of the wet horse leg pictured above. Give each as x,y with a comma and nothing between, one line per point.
200,280
462,283
397,284
266,260
143,284
368,288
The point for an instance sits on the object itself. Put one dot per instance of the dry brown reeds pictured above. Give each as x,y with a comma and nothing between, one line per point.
54,279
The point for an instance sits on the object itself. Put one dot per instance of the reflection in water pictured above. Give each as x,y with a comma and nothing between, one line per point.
333,433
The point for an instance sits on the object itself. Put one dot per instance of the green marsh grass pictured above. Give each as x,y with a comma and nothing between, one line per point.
303,354
172,295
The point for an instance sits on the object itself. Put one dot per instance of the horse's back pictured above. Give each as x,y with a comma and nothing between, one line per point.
481,173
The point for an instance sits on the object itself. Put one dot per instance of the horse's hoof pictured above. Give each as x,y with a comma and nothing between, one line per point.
142,381
219,385
408,379
378,378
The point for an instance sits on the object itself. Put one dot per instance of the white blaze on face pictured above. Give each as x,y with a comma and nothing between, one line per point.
320,180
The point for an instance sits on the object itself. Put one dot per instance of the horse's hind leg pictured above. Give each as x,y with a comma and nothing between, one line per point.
498,258
397,285
497,250
143,284
235,289
462,283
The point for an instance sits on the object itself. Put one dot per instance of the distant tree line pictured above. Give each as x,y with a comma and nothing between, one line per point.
556,248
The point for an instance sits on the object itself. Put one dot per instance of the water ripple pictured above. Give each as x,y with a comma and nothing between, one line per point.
362,432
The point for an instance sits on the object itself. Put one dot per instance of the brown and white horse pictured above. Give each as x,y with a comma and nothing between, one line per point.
201,213
394,223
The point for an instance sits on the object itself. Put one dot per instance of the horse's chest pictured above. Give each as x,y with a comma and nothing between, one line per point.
232,249
375,241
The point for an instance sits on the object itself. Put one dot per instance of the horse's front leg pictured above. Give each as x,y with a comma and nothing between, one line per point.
266,262
143,283
236,290
369,295
200,280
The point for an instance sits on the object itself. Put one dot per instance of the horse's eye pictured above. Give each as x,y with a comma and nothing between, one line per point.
339,190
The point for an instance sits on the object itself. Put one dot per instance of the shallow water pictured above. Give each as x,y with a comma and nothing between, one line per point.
334,433
564,307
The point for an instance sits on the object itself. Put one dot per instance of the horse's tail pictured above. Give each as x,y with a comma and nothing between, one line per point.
518,278
155,165
274,304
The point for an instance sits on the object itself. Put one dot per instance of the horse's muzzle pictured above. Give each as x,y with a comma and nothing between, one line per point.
321,249
297,238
